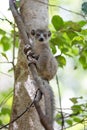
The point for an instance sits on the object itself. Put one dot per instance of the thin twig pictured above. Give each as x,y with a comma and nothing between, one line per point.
60,102
6,62
5,74
5,19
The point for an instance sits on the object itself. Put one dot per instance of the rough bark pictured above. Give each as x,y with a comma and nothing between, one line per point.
34,15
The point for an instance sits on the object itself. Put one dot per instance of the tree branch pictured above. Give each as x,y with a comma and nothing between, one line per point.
77,13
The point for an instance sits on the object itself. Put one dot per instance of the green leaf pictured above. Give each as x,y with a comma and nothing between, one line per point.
70,25
59,118
1,122
76,108
6,43
61,60
82,59
5,111
57,22
84,32
11,69
64,50
2,32
52,45
82,23
74,100
77,119
69,122
75,50
4,55
71,34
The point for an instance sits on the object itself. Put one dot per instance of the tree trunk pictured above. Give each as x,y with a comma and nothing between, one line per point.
34,15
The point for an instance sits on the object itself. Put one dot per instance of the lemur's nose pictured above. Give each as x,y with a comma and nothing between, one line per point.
41,39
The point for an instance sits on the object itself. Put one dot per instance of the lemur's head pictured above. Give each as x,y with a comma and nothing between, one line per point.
41,35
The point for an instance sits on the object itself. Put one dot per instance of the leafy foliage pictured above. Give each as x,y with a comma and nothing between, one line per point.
70,38
77,115
6,45
5,106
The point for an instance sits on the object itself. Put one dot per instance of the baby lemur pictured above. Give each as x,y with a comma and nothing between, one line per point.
40,54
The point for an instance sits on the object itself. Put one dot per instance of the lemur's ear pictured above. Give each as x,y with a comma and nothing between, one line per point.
33,32
49,33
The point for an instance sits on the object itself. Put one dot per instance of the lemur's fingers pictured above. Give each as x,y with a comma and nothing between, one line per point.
29,53
27,48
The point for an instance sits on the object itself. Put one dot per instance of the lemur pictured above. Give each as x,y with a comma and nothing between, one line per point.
40,54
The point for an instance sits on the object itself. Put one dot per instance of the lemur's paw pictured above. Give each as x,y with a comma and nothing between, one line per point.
27,48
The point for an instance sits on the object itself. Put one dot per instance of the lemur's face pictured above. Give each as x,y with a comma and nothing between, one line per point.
41,35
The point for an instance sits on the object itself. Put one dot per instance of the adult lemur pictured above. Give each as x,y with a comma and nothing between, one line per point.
40,54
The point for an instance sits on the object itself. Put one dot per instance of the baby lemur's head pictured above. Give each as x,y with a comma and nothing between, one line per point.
40,35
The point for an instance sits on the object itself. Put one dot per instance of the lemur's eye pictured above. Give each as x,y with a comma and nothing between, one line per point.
45,35
33,32
38,34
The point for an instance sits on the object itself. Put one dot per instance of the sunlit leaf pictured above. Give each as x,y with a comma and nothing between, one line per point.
61,60
70,25
75,50
76,108
2,32
82,23
6,43
77,119
74,100
69,122
57,22
82,59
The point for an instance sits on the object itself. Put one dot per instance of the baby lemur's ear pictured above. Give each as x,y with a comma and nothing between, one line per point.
33,32
49,33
